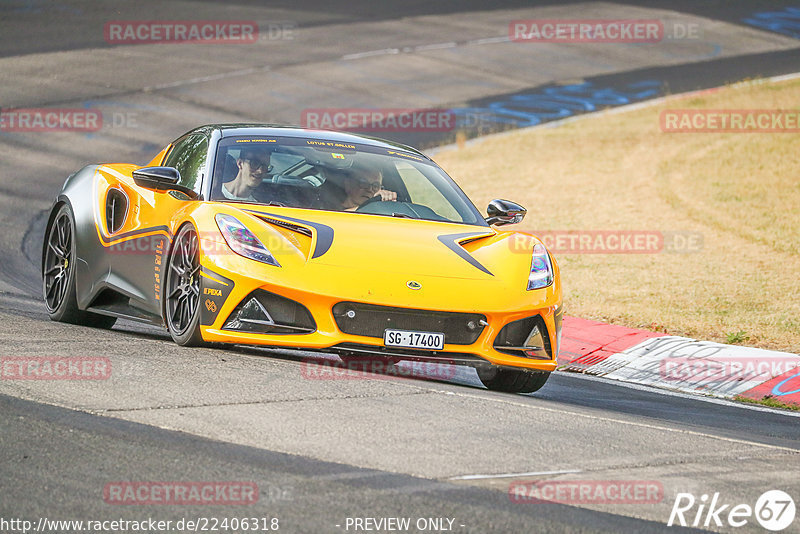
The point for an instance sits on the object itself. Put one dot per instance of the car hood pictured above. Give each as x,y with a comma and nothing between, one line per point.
388,244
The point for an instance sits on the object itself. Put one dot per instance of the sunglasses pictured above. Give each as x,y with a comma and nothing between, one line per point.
366,184
257,164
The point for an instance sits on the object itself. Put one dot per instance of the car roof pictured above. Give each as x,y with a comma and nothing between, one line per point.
248,129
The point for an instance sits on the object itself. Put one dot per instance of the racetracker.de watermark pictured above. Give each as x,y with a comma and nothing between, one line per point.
181,493
211,243
729,121
586,31
586,492
379,119
50,120
118,32
610,241
54,368
373,369
724,369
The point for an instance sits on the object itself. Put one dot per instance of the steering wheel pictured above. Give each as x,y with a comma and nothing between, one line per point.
376,198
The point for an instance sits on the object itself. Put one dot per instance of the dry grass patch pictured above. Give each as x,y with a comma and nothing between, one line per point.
740,191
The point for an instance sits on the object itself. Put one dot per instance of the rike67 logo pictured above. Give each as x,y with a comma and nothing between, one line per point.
774,510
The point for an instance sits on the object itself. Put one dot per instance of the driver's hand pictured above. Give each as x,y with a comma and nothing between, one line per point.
386,195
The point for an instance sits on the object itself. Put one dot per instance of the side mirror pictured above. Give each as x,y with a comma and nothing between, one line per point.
161,179
502,212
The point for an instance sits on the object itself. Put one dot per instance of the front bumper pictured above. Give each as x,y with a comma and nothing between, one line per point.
225,290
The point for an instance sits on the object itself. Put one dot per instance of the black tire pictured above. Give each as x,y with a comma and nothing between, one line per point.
512,380
58,274
182,289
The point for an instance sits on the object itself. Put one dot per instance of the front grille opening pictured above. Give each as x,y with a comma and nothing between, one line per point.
525,337
262,312
371,320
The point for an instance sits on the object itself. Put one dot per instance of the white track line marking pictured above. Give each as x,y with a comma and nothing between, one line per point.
620,421
201,79
681,394
490,40
513,475
424,48
383,52
437,46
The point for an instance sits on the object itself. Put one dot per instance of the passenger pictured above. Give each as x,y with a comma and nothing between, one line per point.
253,165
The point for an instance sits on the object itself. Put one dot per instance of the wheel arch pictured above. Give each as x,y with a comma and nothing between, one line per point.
191,334
60,201
176,229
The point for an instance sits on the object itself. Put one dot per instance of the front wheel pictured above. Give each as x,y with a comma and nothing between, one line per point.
512,380
182,302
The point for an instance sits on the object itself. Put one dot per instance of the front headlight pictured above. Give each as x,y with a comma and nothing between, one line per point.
541,268
242,241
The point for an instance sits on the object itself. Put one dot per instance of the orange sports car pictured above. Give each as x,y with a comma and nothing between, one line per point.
269,235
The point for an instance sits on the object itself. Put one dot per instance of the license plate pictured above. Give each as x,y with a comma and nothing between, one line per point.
413,340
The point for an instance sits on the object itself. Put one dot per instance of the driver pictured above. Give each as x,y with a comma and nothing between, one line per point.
362,184
254,165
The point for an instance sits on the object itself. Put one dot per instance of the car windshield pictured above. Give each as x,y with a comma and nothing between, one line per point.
338,176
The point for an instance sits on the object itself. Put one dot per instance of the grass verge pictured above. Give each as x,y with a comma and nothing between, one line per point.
768,401
738,194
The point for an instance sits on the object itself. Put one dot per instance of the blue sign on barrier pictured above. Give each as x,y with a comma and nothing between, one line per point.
786,22
552,103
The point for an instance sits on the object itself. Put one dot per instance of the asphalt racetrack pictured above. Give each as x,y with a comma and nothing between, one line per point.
346,455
